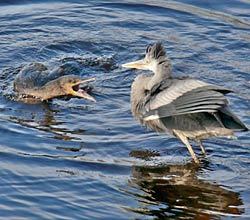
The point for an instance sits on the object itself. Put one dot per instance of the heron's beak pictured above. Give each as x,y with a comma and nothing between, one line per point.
139,64
81,92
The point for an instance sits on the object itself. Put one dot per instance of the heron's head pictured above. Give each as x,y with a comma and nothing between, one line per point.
155,59
75,86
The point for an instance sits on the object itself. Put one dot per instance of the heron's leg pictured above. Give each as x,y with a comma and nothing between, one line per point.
202,147
185,141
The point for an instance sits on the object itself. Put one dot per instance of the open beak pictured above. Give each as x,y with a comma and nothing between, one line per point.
81,92
139,64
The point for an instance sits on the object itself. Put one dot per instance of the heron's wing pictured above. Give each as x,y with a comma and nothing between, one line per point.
184,96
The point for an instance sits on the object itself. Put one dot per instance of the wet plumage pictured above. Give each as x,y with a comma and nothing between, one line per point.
188,108
36,82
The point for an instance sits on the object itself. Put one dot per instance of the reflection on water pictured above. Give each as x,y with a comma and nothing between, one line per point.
46,121
72,159
177,190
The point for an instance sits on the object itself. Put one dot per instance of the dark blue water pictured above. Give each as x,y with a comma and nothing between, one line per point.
73,159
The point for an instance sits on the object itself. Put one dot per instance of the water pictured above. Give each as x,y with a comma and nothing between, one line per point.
73,159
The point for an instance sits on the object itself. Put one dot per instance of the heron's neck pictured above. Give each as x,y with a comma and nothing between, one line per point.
161,71
155,79
49,90
138,93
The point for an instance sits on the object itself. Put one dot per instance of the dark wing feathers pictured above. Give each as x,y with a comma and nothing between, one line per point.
230,120
184,97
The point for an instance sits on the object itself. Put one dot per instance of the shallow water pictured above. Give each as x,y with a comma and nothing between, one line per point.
73,159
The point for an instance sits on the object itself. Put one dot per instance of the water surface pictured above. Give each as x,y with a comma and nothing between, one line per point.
73,159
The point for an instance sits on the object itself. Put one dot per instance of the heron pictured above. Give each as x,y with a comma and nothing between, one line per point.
187,108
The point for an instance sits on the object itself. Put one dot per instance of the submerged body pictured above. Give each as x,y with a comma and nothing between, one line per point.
188,108
36,82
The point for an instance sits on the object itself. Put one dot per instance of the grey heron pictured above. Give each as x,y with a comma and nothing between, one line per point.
188,108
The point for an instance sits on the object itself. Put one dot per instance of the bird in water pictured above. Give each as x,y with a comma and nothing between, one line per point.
35,83
188,108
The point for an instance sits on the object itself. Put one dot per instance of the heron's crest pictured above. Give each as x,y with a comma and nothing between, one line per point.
155,51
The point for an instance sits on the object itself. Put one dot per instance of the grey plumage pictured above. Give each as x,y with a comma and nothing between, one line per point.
187,108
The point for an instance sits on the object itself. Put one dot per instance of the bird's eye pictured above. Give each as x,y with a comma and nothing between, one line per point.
71,81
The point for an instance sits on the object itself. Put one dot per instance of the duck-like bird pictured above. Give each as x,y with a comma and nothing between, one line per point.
36,83
188,108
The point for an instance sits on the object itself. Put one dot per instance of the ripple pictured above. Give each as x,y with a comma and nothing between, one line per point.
94,159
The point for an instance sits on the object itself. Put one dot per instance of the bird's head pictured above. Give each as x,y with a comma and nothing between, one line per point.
75,86
155,59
